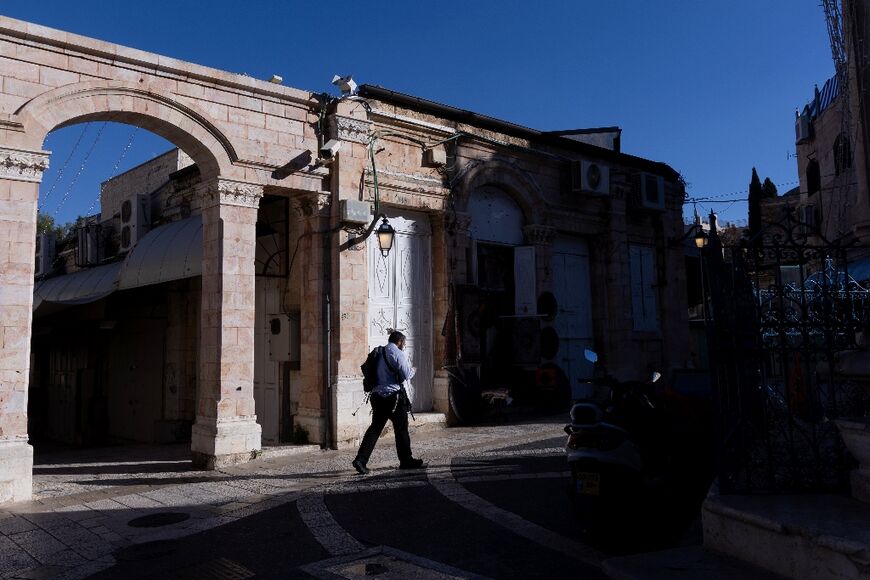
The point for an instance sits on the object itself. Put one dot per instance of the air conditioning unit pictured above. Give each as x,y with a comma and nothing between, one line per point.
803,128
89,247
45,253
652,191
135,220
590,177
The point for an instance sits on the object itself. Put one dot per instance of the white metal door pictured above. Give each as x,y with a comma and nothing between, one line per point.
574,315
267,401
400,292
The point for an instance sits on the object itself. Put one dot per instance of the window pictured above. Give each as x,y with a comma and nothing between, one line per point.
643,288
842,154
814,177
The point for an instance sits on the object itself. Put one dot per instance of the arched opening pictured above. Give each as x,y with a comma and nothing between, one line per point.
117,292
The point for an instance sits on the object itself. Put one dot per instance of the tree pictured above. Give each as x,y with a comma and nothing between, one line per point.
756,192
768,189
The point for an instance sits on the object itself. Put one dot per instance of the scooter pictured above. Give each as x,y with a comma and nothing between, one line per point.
609,438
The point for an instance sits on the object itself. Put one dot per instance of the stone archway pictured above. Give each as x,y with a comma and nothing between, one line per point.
226,430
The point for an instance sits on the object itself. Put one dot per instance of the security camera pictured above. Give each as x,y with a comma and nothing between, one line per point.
346,84
329,149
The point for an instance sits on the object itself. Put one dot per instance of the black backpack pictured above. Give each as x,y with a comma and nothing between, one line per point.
370,368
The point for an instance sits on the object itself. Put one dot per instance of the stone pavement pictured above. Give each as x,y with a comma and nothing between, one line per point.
91,505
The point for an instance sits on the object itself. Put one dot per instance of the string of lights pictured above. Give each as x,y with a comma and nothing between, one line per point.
81,169
59,175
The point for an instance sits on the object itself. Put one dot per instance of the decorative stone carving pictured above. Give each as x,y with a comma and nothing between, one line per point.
538,235
310,204
349,129
238,193
23,165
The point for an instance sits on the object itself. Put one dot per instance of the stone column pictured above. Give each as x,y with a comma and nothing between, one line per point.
349,277
541,237
226,429
313,211
20,174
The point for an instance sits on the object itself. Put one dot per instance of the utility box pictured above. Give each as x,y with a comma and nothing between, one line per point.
435,156
353,211
284,337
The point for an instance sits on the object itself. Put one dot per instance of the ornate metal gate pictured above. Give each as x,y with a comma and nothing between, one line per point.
782,310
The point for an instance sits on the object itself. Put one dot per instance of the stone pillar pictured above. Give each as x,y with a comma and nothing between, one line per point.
441,279
20,174
349,276
313,211
226,429
541,237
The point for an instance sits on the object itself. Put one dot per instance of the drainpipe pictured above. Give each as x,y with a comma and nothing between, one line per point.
327,340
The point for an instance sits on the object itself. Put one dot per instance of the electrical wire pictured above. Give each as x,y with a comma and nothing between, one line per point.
60,173
114,171
81,168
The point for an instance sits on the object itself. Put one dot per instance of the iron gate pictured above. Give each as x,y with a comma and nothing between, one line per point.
782,308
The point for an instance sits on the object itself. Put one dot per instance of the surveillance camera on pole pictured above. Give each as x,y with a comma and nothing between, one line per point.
345,84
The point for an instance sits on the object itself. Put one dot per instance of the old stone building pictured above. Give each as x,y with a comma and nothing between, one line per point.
234,296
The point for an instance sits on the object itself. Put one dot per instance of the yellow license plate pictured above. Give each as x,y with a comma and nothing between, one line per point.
587,483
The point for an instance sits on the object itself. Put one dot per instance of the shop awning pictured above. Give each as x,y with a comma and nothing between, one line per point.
170,252
78,288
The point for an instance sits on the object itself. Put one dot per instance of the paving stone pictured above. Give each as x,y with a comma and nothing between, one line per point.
13,558
38,543
39,573
15,524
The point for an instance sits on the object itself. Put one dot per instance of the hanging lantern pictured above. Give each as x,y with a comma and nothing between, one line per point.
386,233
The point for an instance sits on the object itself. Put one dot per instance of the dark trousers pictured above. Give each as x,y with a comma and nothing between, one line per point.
383,408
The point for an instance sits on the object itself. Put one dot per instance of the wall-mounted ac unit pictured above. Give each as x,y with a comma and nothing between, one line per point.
135,220
89,246
590,177
652,191
45,253
803,128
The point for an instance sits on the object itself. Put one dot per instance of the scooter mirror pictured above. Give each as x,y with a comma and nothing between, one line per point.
655,377
590,355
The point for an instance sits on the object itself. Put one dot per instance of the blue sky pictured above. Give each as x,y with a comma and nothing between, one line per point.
708,87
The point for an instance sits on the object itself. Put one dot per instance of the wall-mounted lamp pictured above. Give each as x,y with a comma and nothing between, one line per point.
386,235
698,235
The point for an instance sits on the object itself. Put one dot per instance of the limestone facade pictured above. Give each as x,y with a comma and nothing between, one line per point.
425,166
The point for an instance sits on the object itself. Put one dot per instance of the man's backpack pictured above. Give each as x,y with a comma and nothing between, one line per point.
370,369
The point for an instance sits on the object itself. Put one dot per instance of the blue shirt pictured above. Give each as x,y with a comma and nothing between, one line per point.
390,382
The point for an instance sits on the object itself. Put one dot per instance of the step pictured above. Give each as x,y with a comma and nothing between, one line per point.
689,563
806,537
421,422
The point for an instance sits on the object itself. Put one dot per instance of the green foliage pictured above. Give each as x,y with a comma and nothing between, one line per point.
45,224
768,188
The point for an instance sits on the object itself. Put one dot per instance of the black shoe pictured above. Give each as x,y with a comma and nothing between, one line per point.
360,467
412,464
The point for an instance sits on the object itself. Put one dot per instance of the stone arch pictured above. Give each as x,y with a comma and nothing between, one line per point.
510,178
129,103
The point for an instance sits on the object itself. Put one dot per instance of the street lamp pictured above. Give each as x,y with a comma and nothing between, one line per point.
385,233
698,234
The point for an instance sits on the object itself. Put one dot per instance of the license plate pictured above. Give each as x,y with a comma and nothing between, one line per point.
587,483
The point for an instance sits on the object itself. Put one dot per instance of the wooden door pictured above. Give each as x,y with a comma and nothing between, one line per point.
400,298
573,321
267,402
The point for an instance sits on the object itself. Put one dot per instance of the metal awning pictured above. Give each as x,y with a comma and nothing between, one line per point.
170,252
860,270
78,288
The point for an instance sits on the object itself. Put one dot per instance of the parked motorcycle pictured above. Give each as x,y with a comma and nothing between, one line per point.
615,447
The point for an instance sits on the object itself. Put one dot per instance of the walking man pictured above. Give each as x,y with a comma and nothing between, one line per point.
390,401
